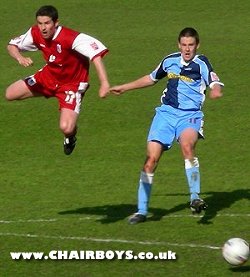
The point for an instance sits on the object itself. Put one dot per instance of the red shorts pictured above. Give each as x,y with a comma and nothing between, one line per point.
69,96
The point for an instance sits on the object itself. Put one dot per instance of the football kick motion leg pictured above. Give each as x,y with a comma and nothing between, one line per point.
144,192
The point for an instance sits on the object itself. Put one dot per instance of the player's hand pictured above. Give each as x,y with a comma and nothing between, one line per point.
117,90
216,92
25,61
104,90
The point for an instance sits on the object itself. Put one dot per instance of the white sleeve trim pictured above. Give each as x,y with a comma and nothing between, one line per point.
153,79
216,82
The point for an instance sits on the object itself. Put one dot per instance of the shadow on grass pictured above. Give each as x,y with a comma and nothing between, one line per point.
216,201
242,268
114,213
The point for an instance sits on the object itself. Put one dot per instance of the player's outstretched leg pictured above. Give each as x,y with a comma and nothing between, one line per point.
144,191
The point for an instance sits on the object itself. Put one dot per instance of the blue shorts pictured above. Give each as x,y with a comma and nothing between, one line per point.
168,124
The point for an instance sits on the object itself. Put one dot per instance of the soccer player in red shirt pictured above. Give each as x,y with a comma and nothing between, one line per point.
65,76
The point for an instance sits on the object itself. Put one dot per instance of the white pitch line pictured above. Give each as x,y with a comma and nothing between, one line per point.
103,217
217,215
112,240
27,220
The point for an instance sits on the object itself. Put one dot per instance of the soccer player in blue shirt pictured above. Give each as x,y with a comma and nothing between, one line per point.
179,117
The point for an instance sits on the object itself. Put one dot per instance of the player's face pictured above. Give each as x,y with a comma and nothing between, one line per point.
188,47
46,26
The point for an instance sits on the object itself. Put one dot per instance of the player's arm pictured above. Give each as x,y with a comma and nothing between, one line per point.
94,50
15,53
211,79
102,75
20,44
142,82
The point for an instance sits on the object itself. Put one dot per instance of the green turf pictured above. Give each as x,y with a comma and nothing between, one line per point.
50,201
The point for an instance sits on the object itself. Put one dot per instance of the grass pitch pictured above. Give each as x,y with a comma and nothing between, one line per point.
53,202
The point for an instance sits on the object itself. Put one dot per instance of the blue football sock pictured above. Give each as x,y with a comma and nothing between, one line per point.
144,192
193,177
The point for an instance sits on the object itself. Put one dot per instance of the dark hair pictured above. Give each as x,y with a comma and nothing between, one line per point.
49,11
189,32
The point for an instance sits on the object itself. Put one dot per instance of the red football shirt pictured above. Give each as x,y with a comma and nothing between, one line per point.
67,55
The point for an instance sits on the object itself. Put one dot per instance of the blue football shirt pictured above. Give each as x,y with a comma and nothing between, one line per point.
187,82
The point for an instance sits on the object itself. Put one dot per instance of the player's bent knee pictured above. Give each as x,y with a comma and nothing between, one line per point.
67,129
9,96
17,91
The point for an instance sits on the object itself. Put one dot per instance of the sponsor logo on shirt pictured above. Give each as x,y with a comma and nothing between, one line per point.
178,76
